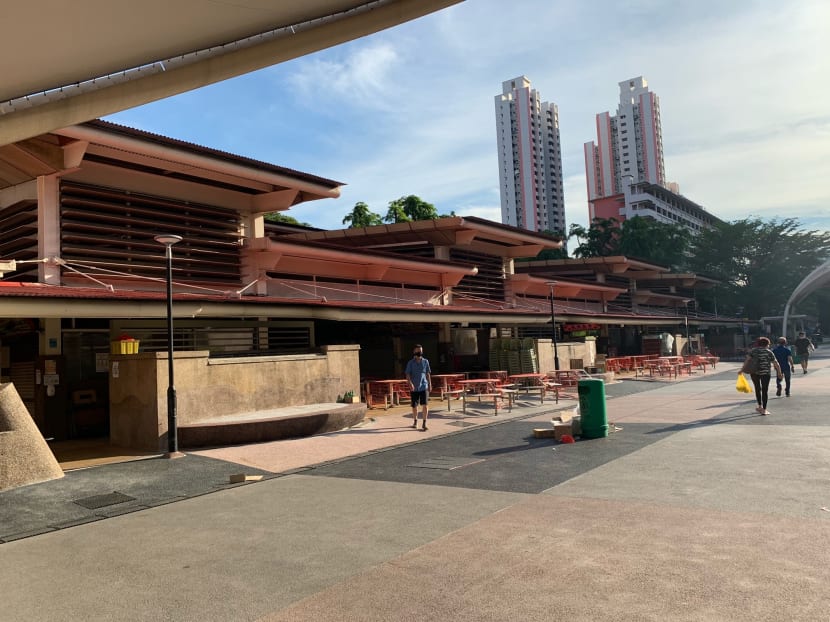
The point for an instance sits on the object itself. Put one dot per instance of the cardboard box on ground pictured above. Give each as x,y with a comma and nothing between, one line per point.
566,422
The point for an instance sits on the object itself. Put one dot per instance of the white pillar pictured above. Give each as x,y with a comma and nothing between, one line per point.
48,226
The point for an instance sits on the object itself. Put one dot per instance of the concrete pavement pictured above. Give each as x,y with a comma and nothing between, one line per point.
696,509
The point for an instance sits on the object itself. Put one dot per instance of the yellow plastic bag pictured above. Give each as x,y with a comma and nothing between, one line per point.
743,385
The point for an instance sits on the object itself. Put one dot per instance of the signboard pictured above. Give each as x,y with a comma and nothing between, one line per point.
465,341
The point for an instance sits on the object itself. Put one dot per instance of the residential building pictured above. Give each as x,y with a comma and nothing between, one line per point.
629,145
530,159
624,169
653,201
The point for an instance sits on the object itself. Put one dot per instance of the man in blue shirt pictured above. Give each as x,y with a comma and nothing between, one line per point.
419,375
784,356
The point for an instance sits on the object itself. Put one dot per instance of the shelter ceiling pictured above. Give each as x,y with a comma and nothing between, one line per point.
57,51
44,301
326,261
534,286
454,232
617,264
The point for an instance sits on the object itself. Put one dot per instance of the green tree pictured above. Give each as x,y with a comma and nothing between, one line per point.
758,264
600,239
559,253
409,208
654,241
361,216
283,218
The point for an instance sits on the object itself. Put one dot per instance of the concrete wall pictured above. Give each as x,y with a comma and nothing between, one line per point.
212,388
566,350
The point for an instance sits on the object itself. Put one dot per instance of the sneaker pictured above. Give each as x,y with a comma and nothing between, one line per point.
787,394
414,425
759,410
778,392
424,428
766,412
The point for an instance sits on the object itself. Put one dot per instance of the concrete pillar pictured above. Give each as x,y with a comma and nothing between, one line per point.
49,228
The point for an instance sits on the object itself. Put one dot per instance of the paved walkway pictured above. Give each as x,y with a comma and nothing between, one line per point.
696,508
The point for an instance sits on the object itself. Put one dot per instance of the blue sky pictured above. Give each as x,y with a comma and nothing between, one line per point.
743,87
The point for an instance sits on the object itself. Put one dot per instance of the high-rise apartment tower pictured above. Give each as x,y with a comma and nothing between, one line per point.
530,159
629,147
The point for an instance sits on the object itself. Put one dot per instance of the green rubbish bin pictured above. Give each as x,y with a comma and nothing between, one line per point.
593,416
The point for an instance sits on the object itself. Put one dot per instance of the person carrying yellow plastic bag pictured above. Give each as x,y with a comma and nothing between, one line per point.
743,385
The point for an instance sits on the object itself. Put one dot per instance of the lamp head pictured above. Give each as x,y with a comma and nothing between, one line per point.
168,239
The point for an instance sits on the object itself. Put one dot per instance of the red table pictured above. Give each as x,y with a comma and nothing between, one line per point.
446,382
390,390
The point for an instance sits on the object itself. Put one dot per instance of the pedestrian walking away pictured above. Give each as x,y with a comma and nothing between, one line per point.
419,376
759,362
784,356
803,348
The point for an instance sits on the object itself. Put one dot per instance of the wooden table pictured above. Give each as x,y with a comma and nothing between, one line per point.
568,377
389,388
532,382
479,385
497,374
445,381
673,363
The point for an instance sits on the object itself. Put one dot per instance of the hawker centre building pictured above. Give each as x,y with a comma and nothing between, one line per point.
268,315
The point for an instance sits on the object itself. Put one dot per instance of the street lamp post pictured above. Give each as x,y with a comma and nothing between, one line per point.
686,321
552,284
172,426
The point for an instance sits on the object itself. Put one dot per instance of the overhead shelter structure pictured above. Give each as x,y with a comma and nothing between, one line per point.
266,314
104,56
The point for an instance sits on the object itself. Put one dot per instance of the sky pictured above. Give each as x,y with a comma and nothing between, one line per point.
744,88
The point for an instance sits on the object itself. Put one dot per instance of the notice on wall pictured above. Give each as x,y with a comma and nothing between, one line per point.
465,341
115,369
102,362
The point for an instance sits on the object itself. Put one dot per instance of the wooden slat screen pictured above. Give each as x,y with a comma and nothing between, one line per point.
488,283
18,238
116,228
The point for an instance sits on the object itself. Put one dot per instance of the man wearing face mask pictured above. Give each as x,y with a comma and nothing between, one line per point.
419,375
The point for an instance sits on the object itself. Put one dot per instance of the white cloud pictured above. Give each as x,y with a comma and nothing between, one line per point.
355,75
743,91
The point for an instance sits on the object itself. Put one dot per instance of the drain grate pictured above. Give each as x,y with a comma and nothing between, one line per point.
102,501
445,463
461,424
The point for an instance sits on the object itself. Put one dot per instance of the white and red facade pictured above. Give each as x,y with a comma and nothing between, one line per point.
530,159
629,147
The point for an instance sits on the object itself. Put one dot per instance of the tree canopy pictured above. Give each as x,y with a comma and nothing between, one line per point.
404,209
409,208
280,217
361,216
639,237
758,264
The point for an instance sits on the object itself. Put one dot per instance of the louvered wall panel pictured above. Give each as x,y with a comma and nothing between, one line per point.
488,283
22,375
114,229
18,238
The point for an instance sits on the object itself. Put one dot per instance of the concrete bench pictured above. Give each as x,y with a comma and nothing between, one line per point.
271,425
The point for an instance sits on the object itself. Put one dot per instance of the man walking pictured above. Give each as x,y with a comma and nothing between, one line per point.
784,356
803,347
419,375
